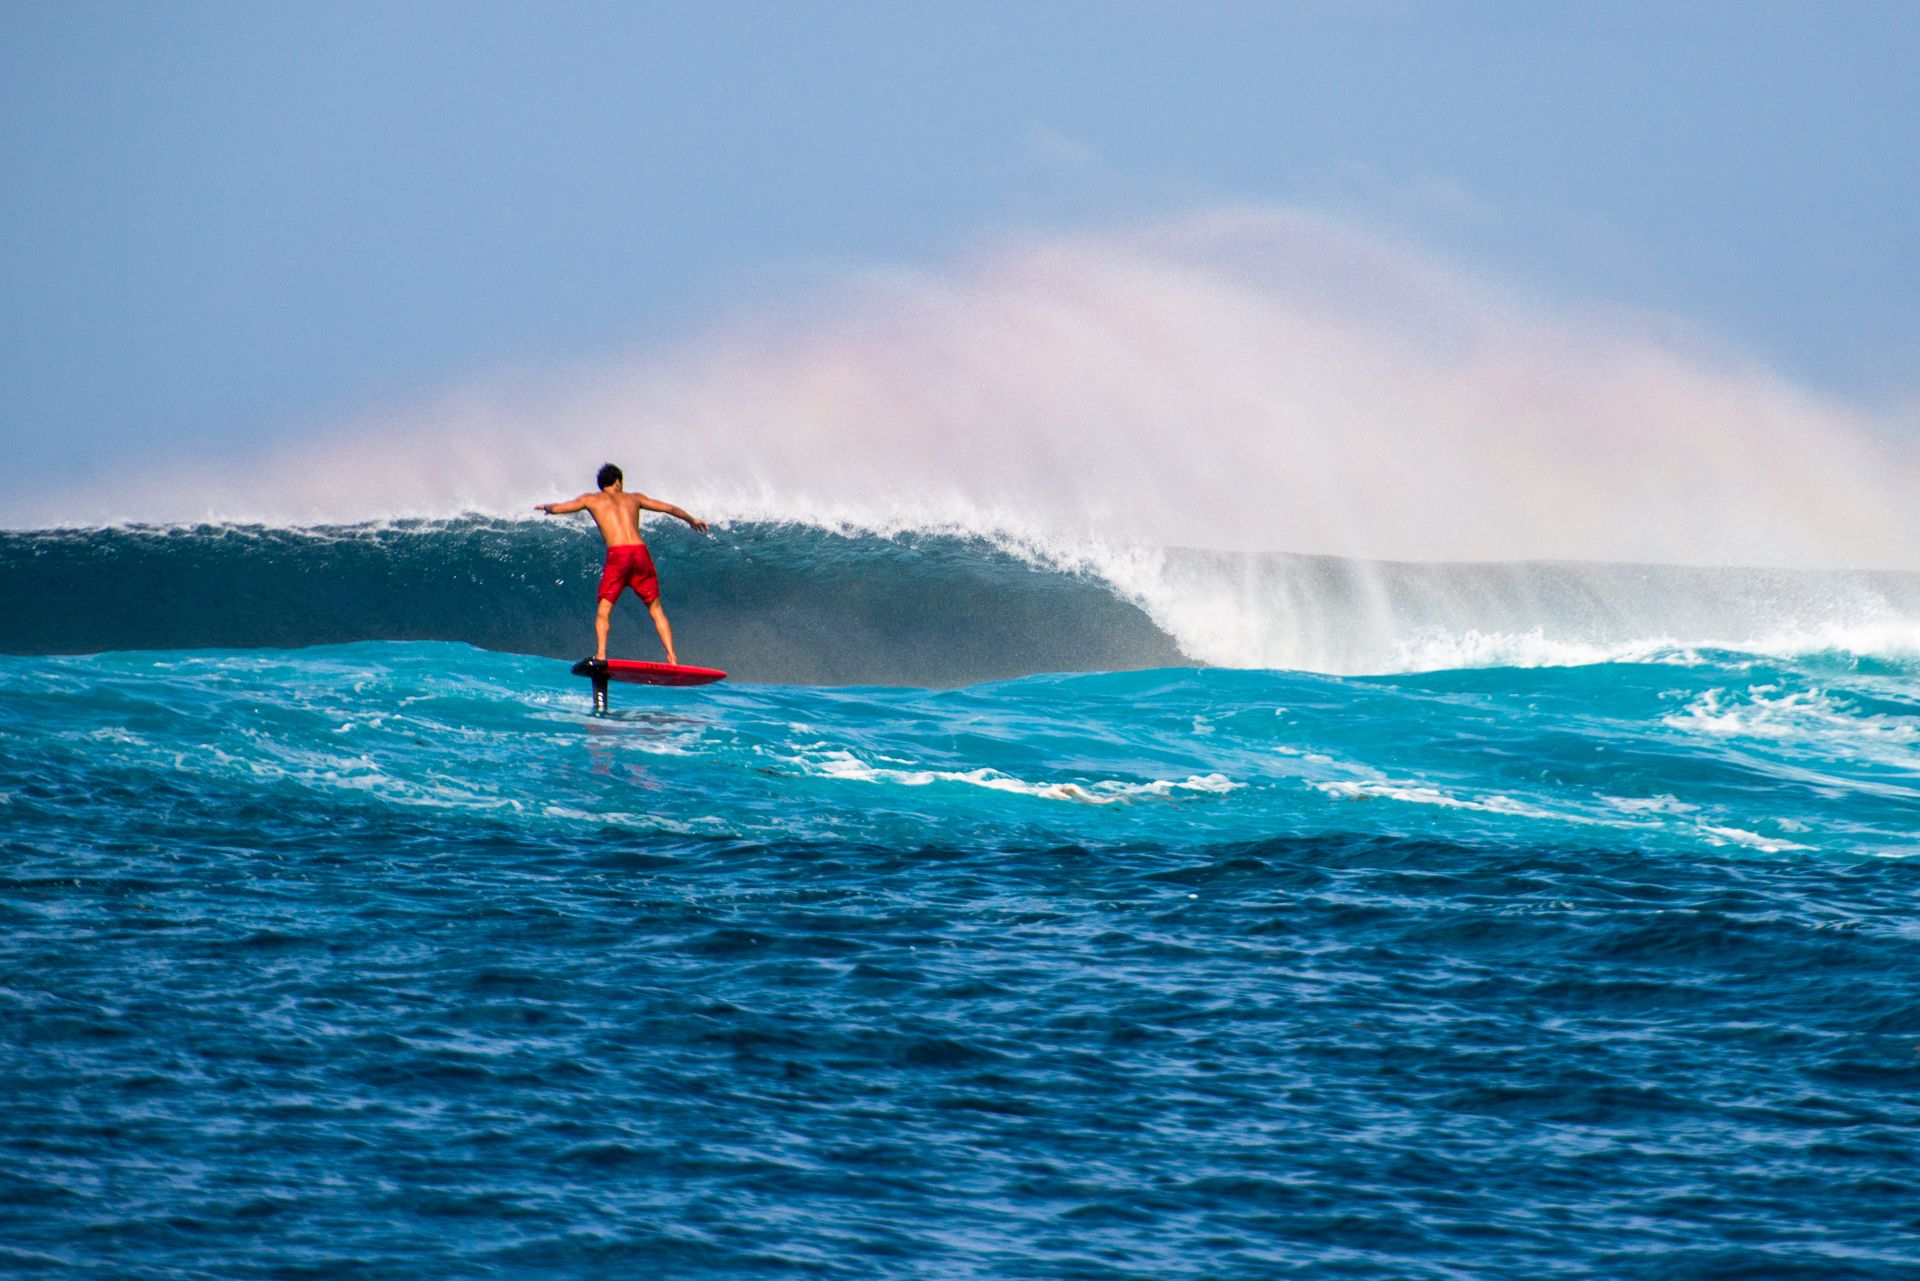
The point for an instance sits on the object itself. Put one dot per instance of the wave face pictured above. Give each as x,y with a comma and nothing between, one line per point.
768,602
795,603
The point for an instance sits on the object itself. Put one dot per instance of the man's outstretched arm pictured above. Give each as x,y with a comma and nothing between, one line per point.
655,505
564,509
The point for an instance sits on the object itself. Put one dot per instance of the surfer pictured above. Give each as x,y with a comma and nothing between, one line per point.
629,563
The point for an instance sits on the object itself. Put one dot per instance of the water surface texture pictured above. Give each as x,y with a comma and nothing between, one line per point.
385,959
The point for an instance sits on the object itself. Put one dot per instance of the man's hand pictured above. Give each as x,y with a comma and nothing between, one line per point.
697,523
547,508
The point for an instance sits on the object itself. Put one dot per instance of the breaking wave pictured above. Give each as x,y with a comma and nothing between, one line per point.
801,603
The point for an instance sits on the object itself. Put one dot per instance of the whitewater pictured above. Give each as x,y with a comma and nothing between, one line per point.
1330,770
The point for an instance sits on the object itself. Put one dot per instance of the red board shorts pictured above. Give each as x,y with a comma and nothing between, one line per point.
630,566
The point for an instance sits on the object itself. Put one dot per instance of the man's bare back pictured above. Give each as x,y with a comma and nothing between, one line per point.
617,513
629,564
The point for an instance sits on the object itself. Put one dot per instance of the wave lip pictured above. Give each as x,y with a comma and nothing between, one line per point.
794,602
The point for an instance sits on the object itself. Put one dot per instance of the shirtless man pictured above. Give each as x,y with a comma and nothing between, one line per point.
629,563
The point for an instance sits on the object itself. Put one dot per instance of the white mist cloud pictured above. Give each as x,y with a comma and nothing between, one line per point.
1250,378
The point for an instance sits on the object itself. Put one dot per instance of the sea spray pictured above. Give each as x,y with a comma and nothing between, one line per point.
1250,379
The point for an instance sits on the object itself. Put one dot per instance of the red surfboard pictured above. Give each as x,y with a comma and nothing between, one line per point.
620,669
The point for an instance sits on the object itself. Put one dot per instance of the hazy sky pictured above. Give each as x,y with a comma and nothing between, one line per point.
228,224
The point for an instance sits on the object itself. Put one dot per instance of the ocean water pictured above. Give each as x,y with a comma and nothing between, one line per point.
1014,912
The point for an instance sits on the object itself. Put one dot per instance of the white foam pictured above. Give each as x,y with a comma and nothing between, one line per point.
840,764
1643,813
1637,805
1360,617
1814,718
1423,794
1752,840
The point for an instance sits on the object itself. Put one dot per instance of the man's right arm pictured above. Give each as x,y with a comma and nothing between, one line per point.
564,509
655,505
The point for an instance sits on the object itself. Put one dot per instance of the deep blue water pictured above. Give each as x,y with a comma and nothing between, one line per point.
387,960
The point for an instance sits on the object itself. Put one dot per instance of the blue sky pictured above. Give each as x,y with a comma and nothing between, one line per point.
227,224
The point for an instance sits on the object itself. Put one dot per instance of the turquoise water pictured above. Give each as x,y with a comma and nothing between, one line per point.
386,959
1701,754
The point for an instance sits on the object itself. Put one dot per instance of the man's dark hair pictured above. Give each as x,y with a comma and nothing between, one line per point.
608,474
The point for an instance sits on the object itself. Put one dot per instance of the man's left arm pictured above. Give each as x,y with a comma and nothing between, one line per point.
655,505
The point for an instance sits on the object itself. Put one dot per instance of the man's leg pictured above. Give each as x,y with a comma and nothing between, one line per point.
600,622
660,625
